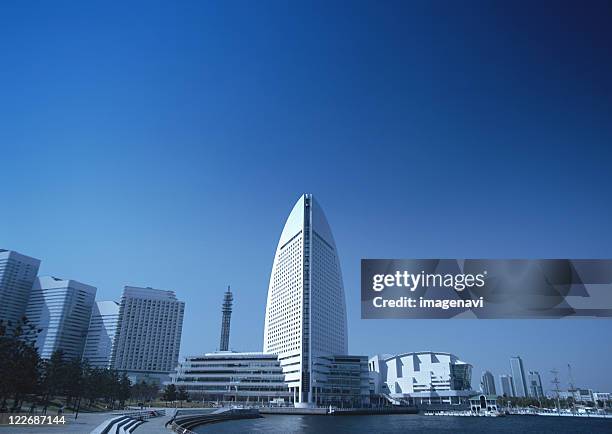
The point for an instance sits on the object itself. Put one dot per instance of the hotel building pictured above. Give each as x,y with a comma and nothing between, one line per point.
61,308
17,275
148,336
305,320
101,334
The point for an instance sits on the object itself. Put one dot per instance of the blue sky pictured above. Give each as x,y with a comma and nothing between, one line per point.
162,144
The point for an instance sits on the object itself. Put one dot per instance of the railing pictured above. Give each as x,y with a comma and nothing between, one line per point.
183,424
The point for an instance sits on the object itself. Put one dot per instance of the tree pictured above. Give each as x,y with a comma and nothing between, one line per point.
124,390
74,380
23,374
182,394
170,393
144,392
19,362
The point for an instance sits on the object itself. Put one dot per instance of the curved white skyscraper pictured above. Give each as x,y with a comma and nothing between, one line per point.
306,310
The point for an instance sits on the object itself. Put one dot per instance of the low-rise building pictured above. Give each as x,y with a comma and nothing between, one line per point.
258,379
604,399
232,376
422,378
343,381
482,403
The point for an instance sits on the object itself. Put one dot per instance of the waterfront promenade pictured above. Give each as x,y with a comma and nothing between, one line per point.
87,422
83,424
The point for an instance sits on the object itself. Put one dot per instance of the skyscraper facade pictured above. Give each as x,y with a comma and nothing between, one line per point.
487,383
17,275
61,308
518,377
535,385
101,334
305,311
507,385
148,337
226,311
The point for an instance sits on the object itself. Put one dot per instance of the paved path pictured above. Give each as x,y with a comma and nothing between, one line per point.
154,426
83,425
86,422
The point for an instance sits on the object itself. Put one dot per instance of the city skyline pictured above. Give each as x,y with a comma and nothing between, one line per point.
159,149
516,359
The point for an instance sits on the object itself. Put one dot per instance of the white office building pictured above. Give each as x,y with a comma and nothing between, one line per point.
101,334
148,336
305,311
17,275
255,378
61,308
519,380
423,378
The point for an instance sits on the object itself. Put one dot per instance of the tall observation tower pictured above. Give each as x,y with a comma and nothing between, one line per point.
226,308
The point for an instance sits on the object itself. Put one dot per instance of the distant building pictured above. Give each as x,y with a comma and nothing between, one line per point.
17,275
487,383
535,385
148,336
518,377
583,395
603,399
226,318
61,308
507,385
483,403
424,377
101,334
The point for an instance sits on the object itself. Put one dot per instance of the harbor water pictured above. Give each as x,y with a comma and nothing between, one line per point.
410,423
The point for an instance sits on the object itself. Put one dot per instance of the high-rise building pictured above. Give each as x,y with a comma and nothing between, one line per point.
487,383
17,275
226,310
305,311
148,337
507,385
101,334
535,385
61,308
518,377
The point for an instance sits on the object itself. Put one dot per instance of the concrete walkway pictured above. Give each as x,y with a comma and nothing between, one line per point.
154,426
83,425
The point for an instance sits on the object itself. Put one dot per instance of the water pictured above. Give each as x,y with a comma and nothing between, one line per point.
399,423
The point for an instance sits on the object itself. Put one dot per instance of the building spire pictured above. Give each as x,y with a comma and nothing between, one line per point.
226,309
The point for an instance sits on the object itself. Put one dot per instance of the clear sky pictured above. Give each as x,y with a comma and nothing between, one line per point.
163,144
